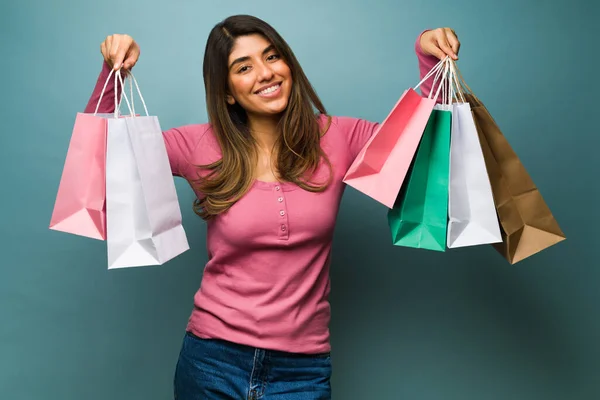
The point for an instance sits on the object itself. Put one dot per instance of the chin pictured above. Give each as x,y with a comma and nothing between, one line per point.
273,109
278,110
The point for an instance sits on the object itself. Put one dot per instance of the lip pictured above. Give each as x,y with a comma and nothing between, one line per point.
268,86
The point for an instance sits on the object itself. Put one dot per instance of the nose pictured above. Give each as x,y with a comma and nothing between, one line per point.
265,73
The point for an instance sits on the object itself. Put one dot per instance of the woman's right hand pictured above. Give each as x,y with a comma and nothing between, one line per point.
120,51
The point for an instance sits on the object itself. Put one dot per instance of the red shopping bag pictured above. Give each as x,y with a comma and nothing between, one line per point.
381,166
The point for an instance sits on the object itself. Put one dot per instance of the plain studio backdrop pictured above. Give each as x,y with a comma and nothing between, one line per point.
407,324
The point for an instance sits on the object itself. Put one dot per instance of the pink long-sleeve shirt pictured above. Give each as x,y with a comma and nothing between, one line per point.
266,283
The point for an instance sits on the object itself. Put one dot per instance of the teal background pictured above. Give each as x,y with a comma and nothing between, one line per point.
407,324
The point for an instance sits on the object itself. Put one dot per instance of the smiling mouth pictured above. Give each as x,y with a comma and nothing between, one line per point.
270,89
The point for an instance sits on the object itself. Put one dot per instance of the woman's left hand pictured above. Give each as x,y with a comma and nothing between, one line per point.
440,42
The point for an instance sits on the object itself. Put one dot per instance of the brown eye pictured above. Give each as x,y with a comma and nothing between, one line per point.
273,57
243,69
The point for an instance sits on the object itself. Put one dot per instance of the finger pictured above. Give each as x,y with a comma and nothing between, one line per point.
439,53
108,45
445,46
117,52
452,31
453,40
455,44
103,51
131,58
105,54
110,41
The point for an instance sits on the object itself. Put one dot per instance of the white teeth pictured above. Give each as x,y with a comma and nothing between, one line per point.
269,90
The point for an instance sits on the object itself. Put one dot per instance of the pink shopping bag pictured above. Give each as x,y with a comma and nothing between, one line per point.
80,205
381,166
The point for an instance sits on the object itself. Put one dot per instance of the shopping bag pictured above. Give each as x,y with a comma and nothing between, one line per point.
472,218
419,218
144,223
420,215
382,164
527,224
80,205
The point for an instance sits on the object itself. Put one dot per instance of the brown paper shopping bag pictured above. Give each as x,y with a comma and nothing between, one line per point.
528,225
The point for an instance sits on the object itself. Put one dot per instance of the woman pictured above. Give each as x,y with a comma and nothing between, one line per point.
267,173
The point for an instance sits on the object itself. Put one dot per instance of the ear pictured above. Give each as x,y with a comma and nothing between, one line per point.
230,100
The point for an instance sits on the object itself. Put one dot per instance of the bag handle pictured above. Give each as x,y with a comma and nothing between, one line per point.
445,84
442,74
433,70
118,78
459,88
440,69
118,104
457,92
133,81
437,70
465,89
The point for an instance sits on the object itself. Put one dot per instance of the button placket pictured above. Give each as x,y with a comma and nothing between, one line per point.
283,227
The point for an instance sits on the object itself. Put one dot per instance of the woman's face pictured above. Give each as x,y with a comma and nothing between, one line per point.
259,80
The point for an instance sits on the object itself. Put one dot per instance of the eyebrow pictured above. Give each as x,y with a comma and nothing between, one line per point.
246,58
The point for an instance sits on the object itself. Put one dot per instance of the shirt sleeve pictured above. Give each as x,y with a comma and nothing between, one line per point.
357,132
180,142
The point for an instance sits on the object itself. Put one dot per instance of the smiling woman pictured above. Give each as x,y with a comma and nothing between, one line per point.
267,172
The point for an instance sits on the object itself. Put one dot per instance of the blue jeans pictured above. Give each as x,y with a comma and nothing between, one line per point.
210,369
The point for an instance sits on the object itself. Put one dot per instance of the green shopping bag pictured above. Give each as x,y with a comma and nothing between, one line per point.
420,215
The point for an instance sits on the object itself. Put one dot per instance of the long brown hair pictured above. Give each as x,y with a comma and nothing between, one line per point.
298,146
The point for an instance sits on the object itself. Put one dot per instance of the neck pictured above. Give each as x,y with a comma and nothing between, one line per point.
264,130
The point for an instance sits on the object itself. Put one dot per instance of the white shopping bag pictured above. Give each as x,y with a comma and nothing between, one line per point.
471,209
143,217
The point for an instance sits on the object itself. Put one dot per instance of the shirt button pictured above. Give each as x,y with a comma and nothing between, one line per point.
282,213
280,199
277,188
283,228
